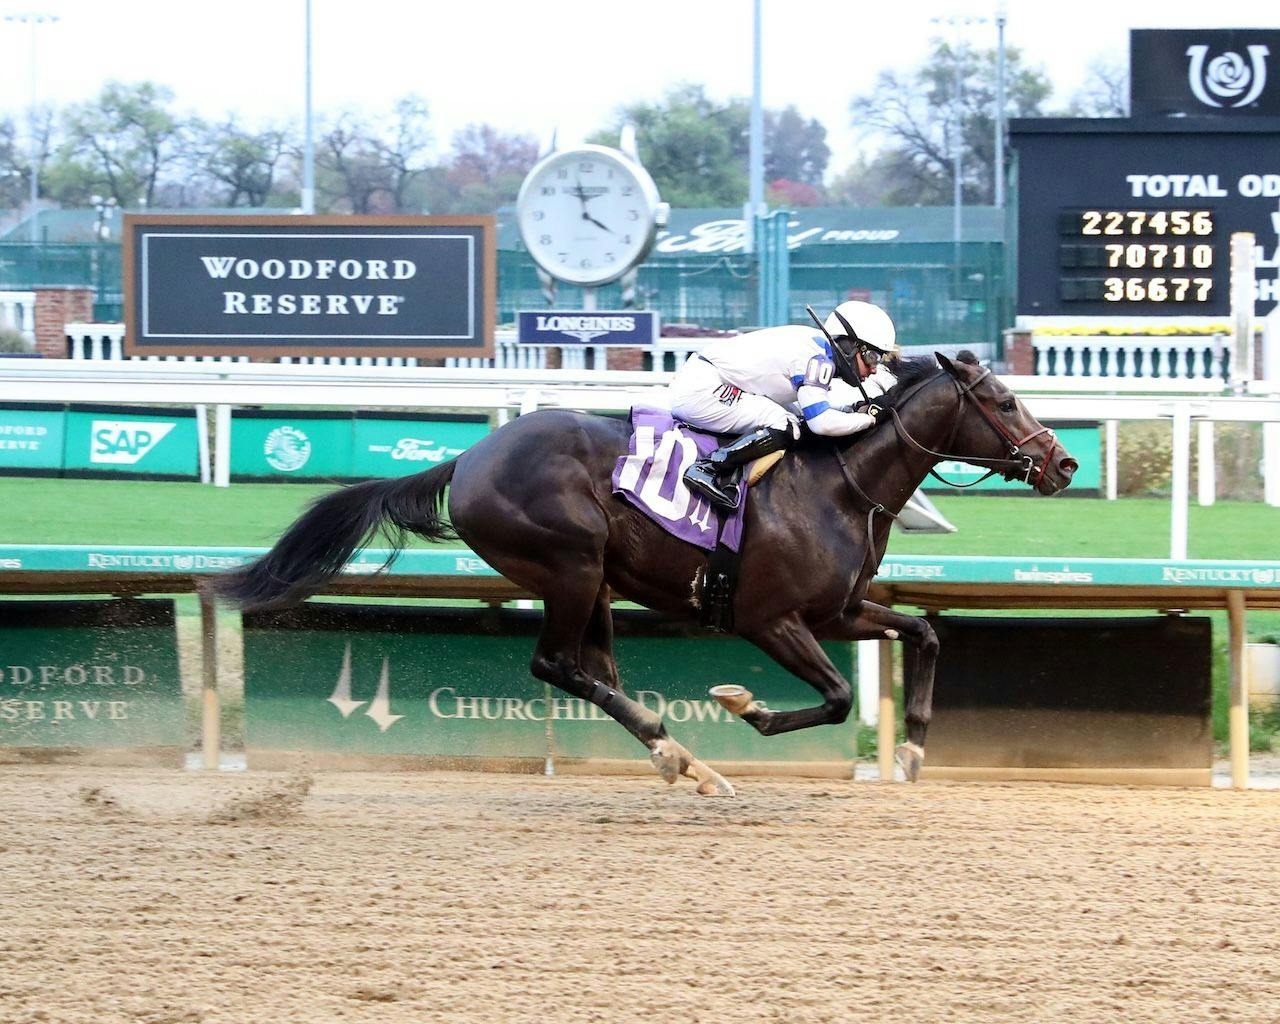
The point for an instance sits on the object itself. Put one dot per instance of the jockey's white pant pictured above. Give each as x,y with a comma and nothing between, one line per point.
700,398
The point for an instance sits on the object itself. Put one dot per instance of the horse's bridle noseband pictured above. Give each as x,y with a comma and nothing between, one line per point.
1018,464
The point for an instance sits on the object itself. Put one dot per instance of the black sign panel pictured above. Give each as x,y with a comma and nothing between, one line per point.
1204,71
1127,217
404,286
1033,693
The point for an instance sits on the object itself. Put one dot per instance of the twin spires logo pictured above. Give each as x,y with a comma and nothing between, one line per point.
124,442
379,708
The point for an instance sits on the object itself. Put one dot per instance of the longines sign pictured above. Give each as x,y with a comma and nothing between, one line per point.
361,286
576,327
1204,71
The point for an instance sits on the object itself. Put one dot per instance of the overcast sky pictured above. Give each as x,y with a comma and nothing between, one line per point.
525,65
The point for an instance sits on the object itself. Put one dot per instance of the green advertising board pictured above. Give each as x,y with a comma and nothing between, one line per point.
1082,440
290,446
399,447
102,440
90,677
31,438
328,446
439,683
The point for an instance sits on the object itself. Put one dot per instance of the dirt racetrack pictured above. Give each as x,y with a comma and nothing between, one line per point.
165,897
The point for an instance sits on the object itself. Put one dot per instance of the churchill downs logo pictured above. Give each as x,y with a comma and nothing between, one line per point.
445,702
1227,77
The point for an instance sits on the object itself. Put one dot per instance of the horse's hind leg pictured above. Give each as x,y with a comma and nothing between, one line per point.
575,650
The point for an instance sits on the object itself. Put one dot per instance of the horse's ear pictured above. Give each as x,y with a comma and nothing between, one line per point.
947,364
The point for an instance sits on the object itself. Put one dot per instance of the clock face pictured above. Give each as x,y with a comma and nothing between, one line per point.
587,214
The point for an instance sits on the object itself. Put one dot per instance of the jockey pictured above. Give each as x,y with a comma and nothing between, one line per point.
760,385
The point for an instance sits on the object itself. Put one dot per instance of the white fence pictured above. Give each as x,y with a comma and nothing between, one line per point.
105,343
225,385
1187,357
1142,357
18,313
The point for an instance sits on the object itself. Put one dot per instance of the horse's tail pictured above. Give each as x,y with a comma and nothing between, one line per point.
322,540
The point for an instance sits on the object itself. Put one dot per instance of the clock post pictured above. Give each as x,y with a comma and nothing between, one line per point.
589,215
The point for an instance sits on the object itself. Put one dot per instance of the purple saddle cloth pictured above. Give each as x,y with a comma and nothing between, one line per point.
651,477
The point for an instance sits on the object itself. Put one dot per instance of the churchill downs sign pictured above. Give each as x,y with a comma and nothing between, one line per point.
379,681
401,286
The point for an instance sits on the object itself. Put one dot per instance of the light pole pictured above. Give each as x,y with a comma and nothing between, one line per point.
34,19
957,22
755,137
308,144
1002,16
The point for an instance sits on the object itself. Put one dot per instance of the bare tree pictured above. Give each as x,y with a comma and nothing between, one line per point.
1105,92
917,116
403,148
127,138
362,169
242,163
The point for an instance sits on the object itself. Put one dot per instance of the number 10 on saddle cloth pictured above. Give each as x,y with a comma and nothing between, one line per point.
651,477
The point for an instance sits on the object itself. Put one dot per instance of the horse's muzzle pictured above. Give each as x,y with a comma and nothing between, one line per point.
1059,474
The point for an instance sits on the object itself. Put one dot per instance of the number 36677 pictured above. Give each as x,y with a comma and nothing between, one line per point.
1158,289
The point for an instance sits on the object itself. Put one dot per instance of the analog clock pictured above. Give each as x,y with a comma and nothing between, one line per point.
588,214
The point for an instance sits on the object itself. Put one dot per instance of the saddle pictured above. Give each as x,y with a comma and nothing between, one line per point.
649,477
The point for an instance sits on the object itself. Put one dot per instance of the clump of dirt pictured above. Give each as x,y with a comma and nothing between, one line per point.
101,800
275,800
375,994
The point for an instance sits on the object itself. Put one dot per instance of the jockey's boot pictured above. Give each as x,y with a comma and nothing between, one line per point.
718,477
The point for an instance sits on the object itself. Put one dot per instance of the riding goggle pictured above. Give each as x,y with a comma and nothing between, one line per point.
870,356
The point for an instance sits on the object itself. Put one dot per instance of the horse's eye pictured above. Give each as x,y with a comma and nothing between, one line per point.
1007,405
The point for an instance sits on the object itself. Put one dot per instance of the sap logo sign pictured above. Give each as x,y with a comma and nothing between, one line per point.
124,442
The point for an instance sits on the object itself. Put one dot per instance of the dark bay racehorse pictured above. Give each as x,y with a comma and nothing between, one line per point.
534,500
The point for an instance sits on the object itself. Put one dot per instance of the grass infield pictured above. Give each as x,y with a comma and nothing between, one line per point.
46,511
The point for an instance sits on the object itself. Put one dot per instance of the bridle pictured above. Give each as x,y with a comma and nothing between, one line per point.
1017,465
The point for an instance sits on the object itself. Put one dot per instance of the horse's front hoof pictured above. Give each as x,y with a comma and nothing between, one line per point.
718,785
910,757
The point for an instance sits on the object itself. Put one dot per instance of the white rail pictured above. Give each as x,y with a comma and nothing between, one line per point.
224,385
18,313
184,383
1204,356
105,343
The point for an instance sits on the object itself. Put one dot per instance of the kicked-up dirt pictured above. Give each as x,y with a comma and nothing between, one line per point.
163,897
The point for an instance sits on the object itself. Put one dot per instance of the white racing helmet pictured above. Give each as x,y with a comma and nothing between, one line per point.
854,325
863,323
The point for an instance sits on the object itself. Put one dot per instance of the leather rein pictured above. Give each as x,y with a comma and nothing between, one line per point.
1016,465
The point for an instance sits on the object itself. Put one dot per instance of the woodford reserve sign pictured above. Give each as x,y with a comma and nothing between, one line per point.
292,285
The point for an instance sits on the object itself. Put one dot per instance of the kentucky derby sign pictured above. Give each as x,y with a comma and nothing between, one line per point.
341,286
579,327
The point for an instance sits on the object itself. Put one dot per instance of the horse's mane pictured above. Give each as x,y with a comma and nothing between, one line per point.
909,372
